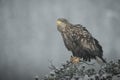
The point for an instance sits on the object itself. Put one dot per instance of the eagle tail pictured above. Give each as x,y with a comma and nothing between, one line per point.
100,60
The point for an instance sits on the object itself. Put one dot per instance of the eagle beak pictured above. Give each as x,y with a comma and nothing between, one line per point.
58,22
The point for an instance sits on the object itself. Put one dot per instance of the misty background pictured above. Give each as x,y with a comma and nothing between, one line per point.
29,38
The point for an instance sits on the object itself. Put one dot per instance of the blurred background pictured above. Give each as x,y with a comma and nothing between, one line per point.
29,39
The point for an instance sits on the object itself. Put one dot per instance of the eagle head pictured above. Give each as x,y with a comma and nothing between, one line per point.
61,24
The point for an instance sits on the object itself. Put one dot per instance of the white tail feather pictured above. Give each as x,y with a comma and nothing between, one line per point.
100,61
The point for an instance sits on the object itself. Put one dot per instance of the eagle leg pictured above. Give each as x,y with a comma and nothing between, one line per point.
74,59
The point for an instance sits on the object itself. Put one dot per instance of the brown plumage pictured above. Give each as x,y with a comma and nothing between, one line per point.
79,41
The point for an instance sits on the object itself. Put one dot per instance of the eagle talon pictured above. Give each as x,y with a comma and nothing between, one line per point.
74,59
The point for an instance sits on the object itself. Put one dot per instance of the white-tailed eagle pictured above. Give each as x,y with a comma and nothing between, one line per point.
79,41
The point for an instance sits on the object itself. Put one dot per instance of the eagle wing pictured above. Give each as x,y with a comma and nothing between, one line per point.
86,42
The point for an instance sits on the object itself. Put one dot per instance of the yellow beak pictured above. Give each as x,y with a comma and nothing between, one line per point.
58,22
